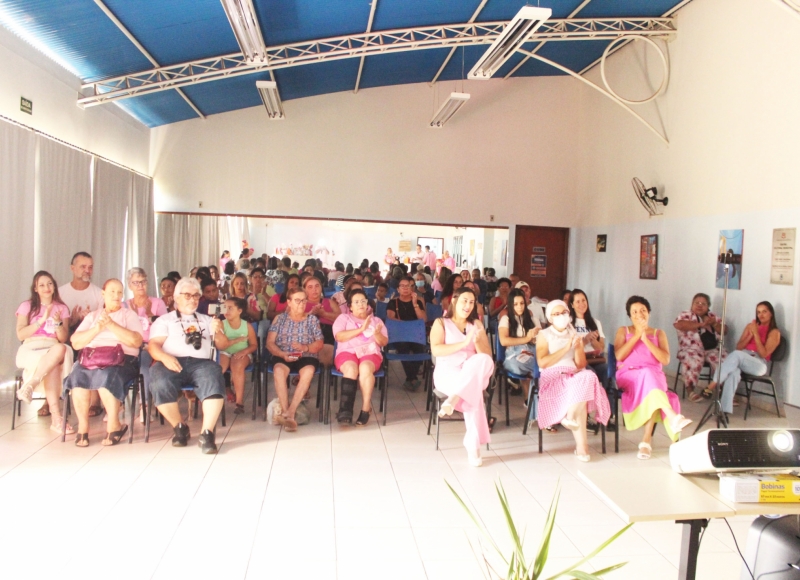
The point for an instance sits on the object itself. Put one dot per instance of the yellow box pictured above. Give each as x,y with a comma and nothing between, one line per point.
754,488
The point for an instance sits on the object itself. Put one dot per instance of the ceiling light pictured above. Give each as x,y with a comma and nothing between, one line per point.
448,109
272,99
244,22
517,33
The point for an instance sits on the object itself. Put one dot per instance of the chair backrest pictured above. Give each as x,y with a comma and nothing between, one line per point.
780,352
331,283
380,310
499,349
370,292
432,311
406,331
328,293
611,361
535,372
438,296
279,287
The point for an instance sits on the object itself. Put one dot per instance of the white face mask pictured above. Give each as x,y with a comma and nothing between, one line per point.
560,321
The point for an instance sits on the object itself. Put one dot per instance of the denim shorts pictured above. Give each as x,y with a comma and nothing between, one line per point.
201,373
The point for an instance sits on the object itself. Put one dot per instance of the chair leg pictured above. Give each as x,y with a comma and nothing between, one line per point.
134,392
430,418
438,422
385,405
256,395
775,395
64,413
748,387
540,439
505,387
603,437
529,412
16,409
616,424
147,420
223,413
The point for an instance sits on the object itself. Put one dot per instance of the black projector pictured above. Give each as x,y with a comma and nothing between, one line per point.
719,450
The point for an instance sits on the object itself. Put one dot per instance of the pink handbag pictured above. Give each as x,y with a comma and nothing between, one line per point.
102,357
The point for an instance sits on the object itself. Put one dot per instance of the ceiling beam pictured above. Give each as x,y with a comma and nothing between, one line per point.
365,44
453,50
541,44
143,50
369,29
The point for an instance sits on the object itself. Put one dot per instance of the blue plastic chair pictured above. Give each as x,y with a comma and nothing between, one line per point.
432,312
327,293
413,331
501,375
333,380
279,287
380,310
370,292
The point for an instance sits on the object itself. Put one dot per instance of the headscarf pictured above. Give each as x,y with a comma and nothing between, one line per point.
548,311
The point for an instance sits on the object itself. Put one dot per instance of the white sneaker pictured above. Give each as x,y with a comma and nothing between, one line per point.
25,393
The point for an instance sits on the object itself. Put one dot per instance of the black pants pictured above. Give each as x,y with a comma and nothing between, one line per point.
411,368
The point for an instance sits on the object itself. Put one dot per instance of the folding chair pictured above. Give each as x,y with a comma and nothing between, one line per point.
705,375
777,356
614,395
501,375
412,331
380,310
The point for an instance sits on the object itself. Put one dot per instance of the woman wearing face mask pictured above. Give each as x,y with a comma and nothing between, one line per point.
517,333
641,353
463,368
567,391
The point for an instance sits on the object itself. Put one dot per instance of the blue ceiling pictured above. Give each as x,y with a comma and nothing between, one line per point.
176,31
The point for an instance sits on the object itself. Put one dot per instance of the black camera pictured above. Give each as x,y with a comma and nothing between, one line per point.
194,338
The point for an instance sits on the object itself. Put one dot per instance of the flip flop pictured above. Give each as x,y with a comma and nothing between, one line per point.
82,440
95,410
115,436
695,397
645,450
492,421
44,410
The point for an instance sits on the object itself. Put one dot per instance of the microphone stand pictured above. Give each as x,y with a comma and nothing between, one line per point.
715,408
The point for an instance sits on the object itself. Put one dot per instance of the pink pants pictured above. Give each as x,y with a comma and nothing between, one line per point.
468,382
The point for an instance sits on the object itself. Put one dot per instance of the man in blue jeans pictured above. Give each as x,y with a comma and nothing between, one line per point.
181,346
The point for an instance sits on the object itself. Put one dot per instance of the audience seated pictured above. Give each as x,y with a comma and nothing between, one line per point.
500,301
441,280
454,282
568,392
359,339
698,341
278,302
295,340
238,286
110,338
594,341
394,279
237,345
517,332
406,306
474,287
43,355
464,367
422,289
448,261
641,352
382,292
754,349
256,299
209,301
326,311
181,346
167,288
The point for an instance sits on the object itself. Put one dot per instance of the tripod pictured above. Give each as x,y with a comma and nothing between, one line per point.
715,408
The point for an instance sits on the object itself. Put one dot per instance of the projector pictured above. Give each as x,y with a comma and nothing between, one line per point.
720,450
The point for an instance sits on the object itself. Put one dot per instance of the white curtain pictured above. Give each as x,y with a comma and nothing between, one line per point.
110,198
63,218
140,247
17,192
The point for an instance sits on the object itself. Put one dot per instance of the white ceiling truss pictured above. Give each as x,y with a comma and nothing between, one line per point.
366,44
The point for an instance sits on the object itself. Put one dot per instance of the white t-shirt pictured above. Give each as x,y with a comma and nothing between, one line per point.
503,323
580,328
90,297
175,330
537,307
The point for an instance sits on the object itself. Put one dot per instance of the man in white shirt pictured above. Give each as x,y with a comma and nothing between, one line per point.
181,346
80,295
418,256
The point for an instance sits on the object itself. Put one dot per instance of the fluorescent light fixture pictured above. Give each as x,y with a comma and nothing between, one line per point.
272,99
244,22
517,33
448,109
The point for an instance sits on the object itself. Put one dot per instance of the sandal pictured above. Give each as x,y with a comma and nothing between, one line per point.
585,458
231,395
679,423
570,424
55,426
363,417
239,409
44,410
695,397
551,429
446,408
707,393
645,450
492,421
95,410
82,440
25,392
115,436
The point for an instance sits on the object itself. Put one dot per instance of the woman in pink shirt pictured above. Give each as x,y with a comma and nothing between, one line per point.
359,339
326,311
448,261
42,323
279,302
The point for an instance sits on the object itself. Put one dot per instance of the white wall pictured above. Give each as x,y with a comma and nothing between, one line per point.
371,155
732,119
104,130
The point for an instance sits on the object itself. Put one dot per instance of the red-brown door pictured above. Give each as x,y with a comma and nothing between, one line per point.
540,258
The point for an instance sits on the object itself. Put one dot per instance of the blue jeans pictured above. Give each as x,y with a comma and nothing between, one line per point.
730,371
512,365
203,374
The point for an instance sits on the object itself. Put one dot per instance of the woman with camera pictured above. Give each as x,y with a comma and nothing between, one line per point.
109,339
698,342
236,348
294,341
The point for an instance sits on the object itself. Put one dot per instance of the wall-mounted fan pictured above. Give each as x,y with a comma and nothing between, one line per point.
648,197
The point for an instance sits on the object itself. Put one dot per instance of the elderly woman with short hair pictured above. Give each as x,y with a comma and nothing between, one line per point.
698,342
42,326
112,329
147,308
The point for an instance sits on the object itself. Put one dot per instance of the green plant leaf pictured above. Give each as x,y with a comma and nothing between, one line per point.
594,553
544,547
580,575
512,528
477,523
609,569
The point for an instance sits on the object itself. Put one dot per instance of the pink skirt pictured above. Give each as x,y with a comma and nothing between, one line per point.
562,387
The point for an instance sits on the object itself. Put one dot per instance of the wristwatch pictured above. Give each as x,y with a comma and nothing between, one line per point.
59,323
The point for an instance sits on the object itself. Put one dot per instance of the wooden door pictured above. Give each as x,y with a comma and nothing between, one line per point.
540,259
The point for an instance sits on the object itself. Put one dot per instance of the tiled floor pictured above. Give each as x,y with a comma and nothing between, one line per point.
324,502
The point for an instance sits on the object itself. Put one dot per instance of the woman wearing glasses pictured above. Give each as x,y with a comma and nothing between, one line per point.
359,339
147,308
294,341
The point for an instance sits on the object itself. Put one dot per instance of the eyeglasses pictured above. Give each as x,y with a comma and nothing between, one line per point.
139,282
404,286
299,300
360,302
187,296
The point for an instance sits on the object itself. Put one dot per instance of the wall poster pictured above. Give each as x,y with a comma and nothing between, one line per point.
782,271
602,239
648,257
538,266
731,245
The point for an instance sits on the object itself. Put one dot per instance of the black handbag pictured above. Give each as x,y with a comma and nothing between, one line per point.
709,340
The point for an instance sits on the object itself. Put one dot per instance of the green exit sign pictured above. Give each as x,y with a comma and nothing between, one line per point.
26,105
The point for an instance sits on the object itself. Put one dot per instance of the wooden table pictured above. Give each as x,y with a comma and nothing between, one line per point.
690,500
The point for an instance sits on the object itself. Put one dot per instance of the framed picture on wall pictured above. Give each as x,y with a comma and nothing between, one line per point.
602,239
648,257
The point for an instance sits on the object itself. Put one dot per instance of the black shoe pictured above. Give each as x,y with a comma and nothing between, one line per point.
344,416
592,426
206,442
612,426
181,437
363,417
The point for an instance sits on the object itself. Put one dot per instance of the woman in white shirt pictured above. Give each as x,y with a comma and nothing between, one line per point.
594,341
517,333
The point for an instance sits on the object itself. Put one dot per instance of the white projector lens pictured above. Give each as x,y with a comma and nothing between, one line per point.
782,441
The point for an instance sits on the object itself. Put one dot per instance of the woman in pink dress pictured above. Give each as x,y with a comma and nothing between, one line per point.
464,367
641,352
568,391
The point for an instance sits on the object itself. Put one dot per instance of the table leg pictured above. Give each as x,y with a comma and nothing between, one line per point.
690,546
